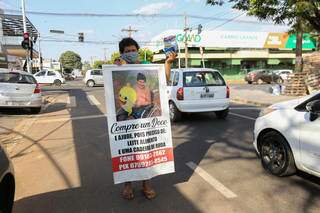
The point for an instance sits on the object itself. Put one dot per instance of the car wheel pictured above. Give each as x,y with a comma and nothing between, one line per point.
7,189
90,83
175,114
35,110
249,82
57,83
276,155
222,114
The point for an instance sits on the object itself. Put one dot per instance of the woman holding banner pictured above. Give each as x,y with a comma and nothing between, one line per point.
129,48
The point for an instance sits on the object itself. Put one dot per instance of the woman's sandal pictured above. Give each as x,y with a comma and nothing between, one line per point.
149,193
127,193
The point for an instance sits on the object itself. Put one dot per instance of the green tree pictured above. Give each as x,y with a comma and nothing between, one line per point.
70,60
145,55
98,64
301,15
86,66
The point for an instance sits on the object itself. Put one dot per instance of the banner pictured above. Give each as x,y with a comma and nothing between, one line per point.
138,121
233,39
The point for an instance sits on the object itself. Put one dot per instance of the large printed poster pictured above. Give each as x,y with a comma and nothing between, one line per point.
138,121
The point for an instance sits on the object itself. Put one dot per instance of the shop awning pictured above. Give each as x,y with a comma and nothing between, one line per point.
273,61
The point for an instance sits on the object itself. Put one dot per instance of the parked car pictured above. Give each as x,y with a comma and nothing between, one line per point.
49,77
7,182
93,78
284,74
262,76
76,73
68,76
19,90
287,136
197,90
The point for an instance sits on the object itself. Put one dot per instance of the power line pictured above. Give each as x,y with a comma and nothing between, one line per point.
228,21
159,15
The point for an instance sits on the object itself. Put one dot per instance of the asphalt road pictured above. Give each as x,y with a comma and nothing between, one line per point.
63,164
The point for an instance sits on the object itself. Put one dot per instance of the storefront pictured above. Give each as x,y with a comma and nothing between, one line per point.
235,51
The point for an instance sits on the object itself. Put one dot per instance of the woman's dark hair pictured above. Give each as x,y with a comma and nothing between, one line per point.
125,42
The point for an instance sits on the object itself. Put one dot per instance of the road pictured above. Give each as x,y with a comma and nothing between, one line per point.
62,164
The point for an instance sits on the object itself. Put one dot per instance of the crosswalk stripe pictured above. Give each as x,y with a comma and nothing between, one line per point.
71,101
93,100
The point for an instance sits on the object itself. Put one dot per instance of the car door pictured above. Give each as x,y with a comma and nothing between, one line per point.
50,77
40,77
172,84
100,77
310,141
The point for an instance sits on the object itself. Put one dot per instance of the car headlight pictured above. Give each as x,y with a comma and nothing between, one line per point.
266,111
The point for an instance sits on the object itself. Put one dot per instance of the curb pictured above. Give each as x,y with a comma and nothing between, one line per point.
255,103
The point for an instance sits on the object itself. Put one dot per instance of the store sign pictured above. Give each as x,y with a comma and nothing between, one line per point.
190,38
236,39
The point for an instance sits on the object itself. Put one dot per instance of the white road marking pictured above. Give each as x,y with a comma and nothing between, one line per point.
212,181
71,118
71,101
93,100
242,116
210,141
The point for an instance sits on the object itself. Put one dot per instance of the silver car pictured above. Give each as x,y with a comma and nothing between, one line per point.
19,90
7,182
93,78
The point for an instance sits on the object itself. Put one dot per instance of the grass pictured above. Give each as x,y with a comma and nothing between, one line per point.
234,77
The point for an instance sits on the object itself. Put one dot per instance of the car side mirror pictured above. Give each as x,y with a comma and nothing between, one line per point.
314,108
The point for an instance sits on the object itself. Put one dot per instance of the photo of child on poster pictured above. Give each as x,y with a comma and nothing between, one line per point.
136,94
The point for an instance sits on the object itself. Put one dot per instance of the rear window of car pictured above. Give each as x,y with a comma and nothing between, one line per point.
96,72
16,78
200,79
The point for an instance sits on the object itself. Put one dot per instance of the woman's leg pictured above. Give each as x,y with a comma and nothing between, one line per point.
148,190
127,191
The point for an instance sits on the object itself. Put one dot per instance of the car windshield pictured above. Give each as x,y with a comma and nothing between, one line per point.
207,78
16,78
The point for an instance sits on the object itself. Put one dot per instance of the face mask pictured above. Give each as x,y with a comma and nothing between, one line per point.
130,57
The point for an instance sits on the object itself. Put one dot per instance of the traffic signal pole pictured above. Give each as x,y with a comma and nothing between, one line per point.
24,19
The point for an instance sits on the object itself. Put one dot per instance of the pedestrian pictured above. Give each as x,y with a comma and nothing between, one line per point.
128,49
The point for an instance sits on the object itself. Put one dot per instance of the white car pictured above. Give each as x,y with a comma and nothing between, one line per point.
287,136
284,74
93,78
197,90
19,90
49,77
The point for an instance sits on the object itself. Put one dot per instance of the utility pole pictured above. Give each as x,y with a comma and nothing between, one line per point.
39,51
186,40
129,30
24,19
105,53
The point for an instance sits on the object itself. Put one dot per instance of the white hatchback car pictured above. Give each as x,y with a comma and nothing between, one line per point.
19,90
49,77
287,136
197,90
93,78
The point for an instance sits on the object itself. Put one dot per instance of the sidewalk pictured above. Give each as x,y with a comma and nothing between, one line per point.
256,97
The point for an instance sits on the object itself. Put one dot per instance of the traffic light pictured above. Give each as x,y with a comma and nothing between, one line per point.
199,28
81,37
26,41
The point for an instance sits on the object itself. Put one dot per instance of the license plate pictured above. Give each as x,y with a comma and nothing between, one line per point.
15,103
207,95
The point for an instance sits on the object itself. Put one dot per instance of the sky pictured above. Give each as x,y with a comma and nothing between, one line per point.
109,28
